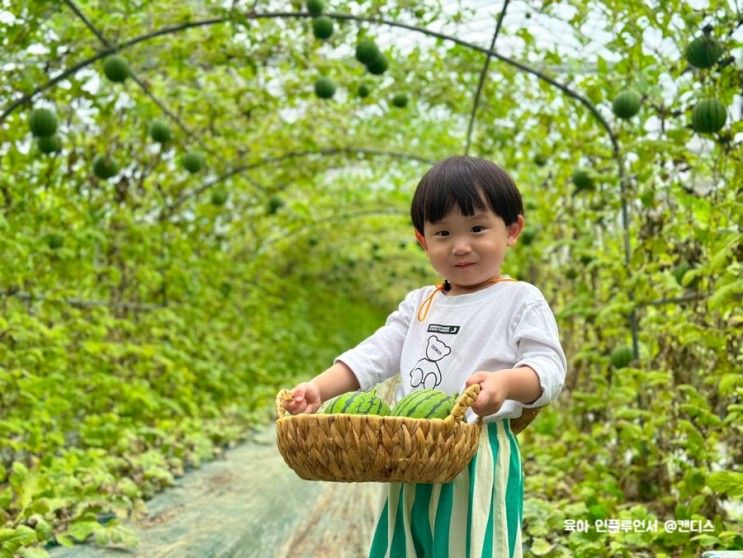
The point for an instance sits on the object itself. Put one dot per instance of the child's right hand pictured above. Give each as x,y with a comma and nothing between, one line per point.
306,399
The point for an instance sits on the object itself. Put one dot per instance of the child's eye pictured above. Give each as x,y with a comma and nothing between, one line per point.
478,227
442,233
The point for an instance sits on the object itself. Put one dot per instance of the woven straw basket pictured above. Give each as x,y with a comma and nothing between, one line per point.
371,448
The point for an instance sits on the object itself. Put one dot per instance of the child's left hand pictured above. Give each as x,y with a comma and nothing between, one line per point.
493,392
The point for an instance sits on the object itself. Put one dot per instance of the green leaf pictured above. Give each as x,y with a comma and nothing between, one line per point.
656,378
81,530
727,386
726,482
65,540
706,539
13,539
724,294
694,438
540,547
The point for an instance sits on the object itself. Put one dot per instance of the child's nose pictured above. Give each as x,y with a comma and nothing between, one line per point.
461,247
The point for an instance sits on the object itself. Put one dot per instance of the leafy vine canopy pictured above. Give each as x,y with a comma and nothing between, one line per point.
235,84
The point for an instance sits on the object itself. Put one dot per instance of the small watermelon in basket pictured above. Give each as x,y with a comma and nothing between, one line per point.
425,403
358,403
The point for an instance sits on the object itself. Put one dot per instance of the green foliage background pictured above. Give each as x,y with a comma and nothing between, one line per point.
158,334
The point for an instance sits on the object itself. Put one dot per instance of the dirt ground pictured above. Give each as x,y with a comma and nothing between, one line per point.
250,504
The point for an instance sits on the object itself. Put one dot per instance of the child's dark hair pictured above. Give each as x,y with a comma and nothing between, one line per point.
464,181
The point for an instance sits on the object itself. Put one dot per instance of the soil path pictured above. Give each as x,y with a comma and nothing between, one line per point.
250,504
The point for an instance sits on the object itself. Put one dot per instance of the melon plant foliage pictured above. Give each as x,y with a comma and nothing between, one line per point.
153,304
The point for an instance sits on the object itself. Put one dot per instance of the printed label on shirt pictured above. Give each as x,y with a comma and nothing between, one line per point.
440,328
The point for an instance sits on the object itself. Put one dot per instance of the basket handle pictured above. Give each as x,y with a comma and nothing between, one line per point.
465,399
283,396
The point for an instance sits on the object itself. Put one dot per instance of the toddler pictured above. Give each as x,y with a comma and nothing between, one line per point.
477,326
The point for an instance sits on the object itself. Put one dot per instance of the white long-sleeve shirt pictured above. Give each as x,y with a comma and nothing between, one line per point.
505,325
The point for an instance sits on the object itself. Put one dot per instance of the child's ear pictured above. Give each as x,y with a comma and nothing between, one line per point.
421,240
514,230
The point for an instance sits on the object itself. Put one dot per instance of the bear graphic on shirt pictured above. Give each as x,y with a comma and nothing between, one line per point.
426,372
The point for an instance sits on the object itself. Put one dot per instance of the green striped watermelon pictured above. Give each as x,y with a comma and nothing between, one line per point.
627,104
703,52
358,403
708,116
425,403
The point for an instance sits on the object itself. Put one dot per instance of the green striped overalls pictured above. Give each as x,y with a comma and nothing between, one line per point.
478,514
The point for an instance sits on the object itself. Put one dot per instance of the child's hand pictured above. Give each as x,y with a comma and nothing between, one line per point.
306,399
493,392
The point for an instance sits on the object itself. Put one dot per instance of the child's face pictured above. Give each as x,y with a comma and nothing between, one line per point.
479,240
